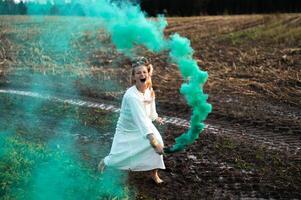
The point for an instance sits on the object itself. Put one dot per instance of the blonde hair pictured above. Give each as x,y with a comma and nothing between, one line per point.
149,68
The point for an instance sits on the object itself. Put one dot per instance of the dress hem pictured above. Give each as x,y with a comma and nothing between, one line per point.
140,170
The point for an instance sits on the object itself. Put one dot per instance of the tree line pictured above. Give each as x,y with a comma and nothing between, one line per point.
167,7
219,7
9,7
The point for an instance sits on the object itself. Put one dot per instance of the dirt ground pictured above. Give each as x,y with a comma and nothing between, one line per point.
254,86
255,89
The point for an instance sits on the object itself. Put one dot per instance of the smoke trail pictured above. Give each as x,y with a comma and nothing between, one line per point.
181,53
128,27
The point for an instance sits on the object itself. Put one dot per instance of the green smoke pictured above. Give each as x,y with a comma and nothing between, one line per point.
181,53
129,27
52,170
40,158
32,171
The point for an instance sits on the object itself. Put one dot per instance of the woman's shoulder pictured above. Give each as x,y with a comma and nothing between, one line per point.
130,92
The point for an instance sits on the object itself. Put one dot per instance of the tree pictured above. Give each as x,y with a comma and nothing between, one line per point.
22,9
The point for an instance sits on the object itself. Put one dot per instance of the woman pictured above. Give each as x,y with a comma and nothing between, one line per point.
137,144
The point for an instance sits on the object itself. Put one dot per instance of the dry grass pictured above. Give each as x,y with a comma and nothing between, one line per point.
257,56
251,55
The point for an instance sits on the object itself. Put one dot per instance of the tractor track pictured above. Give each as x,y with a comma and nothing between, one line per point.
285,142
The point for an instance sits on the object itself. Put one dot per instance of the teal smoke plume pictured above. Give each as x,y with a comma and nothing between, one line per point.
129,27
181,53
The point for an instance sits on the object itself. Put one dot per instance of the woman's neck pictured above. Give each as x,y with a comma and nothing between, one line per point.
141,88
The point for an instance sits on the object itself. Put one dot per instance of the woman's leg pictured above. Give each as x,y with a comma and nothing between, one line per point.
155,176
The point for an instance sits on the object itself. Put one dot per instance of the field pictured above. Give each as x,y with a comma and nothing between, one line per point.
251,148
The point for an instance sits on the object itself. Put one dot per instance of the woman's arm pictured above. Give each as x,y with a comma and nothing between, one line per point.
154,114
139,116
143,123
155,144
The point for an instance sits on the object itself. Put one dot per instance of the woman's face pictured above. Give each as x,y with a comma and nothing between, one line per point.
141,75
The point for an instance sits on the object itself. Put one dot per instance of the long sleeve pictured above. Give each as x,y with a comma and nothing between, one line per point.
139,115
154,114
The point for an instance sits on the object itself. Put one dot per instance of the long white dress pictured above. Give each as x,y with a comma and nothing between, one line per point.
131,149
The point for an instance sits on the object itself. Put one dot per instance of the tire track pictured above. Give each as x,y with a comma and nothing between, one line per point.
290,143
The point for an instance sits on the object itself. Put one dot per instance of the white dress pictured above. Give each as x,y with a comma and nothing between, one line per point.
131,150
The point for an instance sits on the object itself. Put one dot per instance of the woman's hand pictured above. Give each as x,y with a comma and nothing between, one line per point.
159,120
159,149
155,144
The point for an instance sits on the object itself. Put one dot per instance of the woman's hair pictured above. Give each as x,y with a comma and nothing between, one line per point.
142,61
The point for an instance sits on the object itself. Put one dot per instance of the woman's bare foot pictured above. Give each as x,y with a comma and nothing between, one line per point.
155,177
